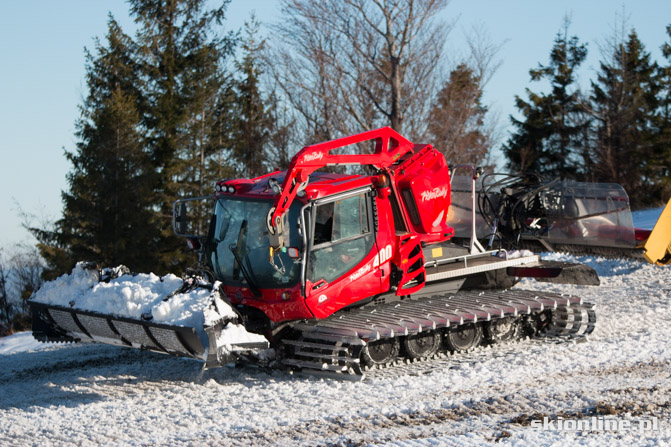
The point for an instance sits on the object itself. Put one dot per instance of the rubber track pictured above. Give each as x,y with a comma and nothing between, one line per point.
332,347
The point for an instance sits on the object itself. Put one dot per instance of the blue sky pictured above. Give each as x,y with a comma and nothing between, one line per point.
42,72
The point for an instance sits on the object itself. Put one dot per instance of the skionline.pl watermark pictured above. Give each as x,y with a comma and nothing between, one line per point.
596,423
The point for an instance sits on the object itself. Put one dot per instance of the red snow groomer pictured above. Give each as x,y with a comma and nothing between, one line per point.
343,273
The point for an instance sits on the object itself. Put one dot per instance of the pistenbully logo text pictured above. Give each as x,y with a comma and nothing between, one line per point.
313,156
434,194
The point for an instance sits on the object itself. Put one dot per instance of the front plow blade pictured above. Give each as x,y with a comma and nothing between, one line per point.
62,324
658,245
115,307
53,323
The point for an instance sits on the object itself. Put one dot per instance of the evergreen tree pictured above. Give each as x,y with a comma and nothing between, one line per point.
151,127
107,214
182,60
457,125
662,144
624,102
665,79
282,137
252,124
550,137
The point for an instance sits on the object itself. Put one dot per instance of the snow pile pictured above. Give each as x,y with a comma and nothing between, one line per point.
143,295
67,288
126,296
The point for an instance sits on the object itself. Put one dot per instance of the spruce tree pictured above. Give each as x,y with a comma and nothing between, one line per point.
549,139
252,124
624,102
457,127
107,209
182,59
153,129
661,169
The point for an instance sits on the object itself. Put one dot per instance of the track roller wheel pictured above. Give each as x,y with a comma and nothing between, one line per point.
422,344
380,352
537,323
502,330
464,337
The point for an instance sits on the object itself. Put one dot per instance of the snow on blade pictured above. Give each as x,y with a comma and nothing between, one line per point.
141,294
220,310
67,288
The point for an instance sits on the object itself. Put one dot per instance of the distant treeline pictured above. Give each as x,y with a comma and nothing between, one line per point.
618,131
183,103
20,276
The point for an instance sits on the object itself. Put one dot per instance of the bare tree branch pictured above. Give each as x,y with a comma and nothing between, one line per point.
348,65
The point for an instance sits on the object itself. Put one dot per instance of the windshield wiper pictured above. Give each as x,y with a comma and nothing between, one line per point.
235,249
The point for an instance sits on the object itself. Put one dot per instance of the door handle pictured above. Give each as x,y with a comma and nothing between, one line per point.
319,284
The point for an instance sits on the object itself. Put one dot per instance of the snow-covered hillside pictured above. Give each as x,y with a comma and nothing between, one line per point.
104,395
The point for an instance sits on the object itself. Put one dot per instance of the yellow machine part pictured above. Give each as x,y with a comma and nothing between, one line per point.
658,245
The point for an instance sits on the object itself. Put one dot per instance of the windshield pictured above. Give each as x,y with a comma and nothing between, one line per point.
240,232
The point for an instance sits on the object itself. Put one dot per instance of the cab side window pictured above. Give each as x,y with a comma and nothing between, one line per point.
351,218
324,224
342,237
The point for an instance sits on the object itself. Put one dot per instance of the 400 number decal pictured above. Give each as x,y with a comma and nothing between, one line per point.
382,256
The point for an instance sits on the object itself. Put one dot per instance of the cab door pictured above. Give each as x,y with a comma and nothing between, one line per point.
341,264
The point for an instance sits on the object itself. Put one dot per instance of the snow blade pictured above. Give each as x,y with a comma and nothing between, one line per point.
62,324
658,245
53,323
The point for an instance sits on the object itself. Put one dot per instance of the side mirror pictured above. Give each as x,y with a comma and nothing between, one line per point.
182,218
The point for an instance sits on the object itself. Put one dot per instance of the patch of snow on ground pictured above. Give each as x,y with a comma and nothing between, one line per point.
646,219
22,342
